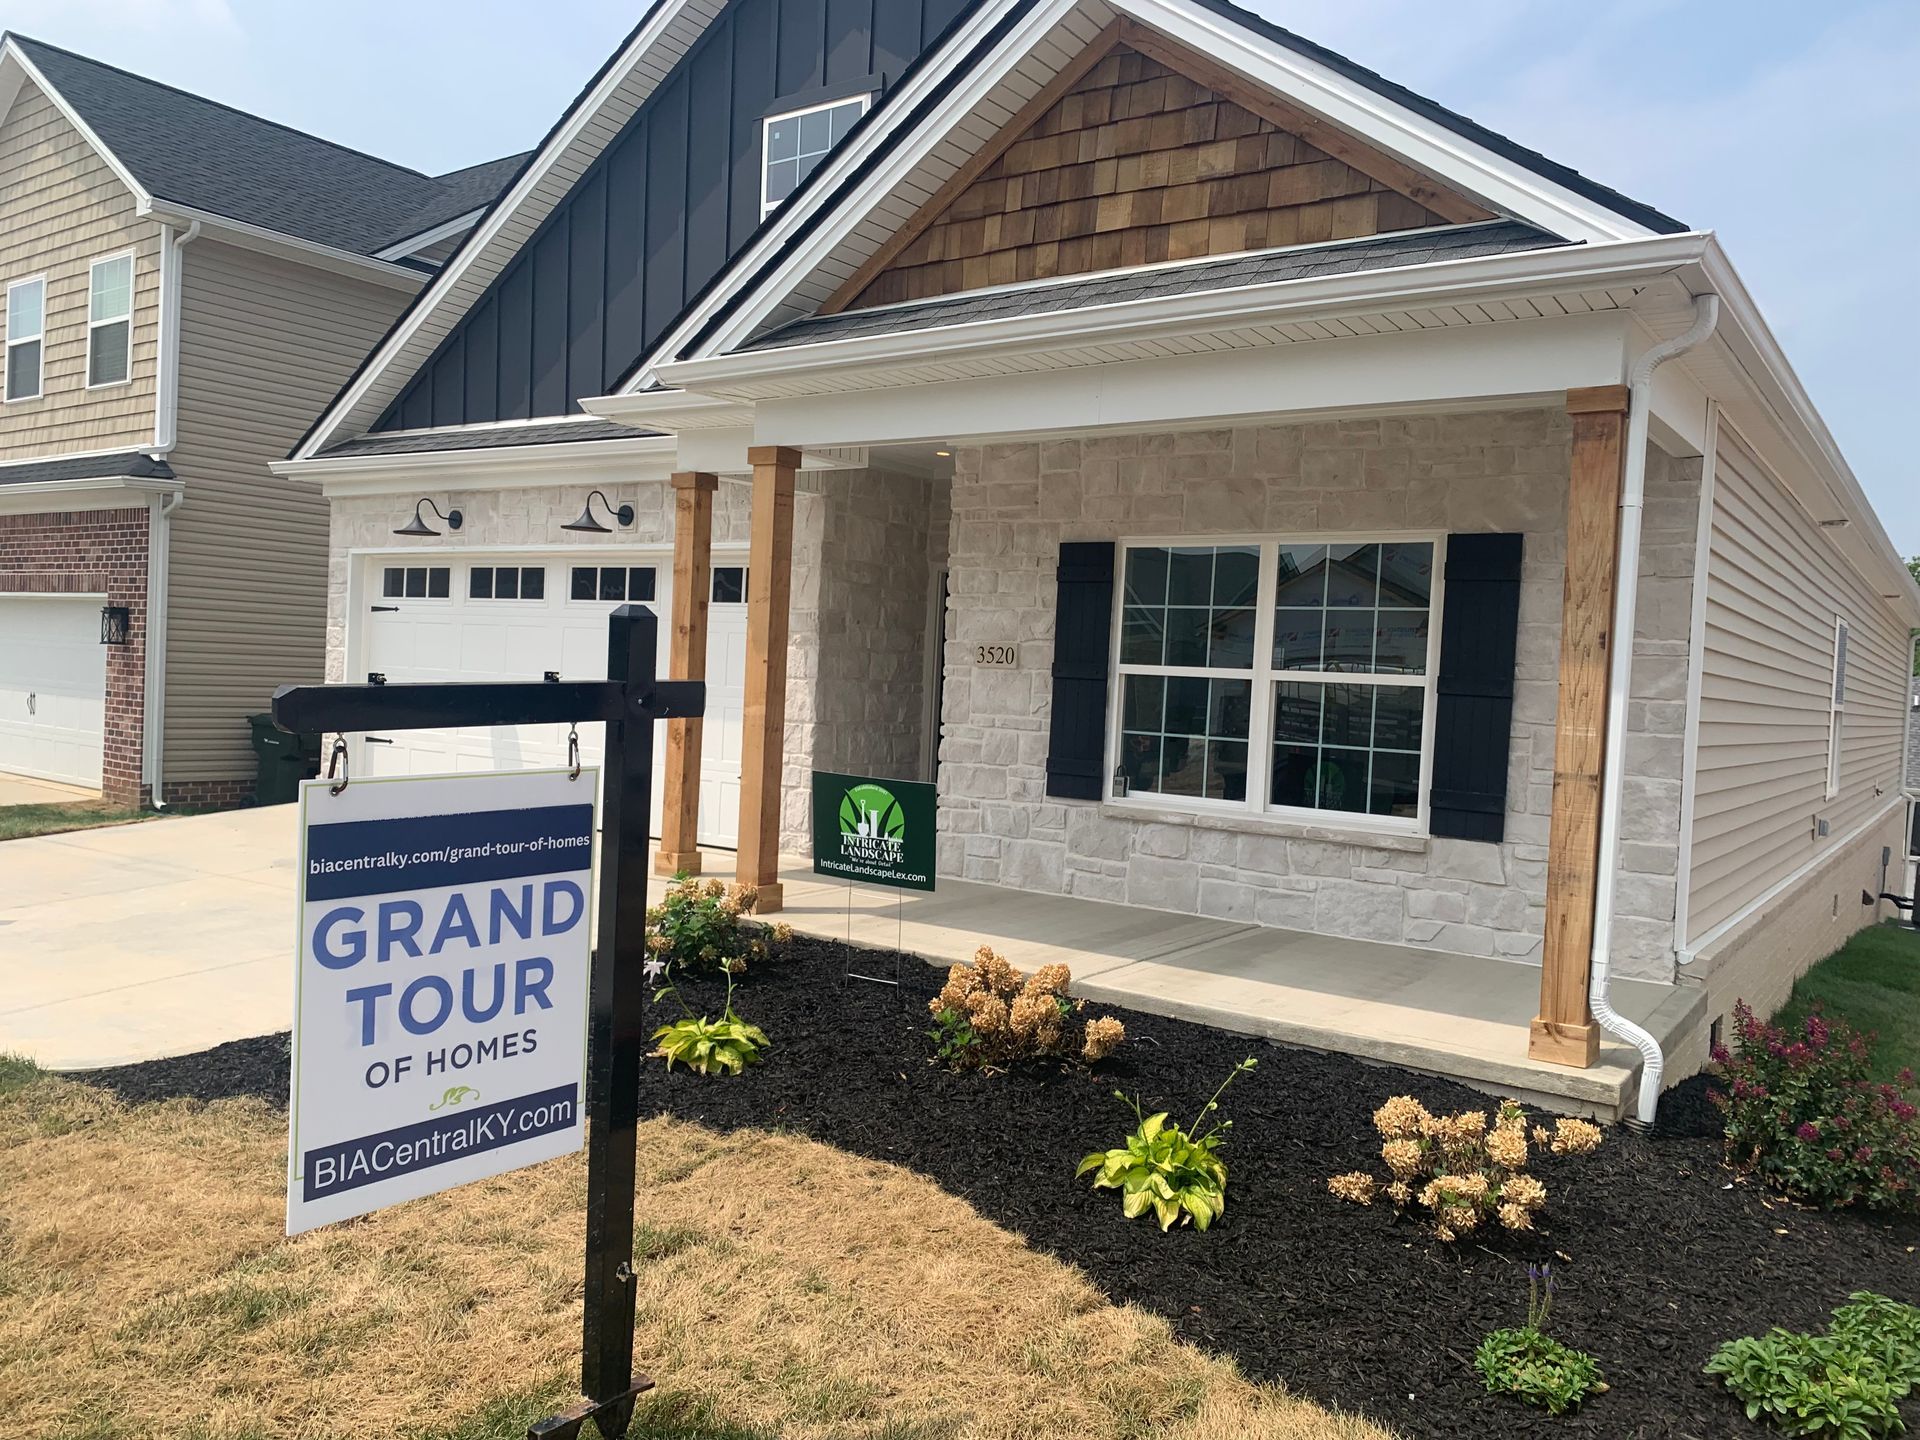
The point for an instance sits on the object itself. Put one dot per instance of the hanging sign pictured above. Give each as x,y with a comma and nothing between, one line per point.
879,831
440,1005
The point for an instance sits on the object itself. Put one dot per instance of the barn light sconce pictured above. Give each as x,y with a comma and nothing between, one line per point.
115,621
586,524
417,526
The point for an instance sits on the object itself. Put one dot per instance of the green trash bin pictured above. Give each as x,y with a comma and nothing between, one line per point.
285,760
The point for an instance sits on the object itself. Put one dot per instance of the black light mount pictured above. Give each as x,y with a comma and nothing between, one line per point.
419,527
586,524
115,623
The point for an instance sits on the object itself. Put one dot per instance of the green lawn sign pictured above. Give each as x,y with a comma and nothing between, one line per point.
877,831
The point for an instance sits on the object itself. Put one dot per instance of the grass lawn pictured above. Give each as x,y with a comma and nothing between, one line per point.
786,1289
1874,981
17,822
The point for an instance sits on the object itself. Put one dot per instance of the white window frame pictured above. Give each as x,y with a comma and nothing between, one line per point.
133,277
40,380
1264,677
864,99
1837,697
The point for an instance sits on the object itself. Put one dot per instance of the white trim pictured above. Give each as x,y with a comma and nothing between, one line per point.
433,235
1780,887
8,341
142,200
864,99
1837,704
166,412
498,467
133,277
248,236
44,497
1696,674
153,728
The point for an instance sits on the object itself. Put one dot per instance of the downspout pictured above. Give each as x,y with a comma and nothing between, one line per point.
1633,496
166,434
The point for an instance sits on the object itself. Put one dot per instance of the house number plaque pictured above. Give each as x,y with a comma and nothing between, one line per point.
997,657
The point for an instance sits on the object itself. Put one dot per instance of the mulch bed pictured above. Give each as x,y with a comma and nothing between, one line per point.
1660,1253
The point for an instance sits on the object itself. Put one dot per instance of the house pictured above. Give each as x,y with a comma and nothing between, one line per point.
1220,468
181,287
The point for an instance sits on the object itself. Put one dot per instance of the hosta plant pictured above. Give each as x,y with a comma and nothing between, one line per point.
1530,1364
1176,1173
702,926
728,1044
988,1016
1847,1383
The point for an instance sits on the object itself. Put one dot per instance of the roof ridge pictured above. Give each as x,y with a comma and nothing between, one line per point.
18,38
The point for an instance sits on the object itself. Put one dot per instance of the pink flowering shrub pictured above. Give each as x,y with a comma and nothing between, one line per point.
1804,1116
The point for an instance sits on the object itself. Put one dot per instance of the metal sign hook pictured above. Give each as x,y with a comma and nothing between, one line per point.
337,760
573,750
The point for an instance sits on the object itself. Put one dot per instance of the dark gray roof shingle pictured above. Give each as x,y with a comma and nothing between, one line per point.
422,442
1411,247
208,156
128,465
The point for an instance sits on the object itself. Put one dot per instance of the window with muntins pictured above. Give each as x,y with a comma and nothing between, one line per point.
416,582
795,143
1836,714
110,321
1279,676
507,582
26,335
612,582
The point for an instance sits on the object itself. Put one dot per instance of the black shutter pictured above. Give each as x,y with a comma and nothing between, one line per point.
1082,640
1473,725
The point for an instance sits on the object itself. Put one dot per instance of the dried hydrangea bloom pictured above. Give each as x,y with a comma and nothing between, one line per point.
1050,980
1461,1219
1525,1191
783,934
988,1012
1516,1217
1400,1193
995,973
1507,1147
1035,1019
1356,1186
1575,1137
1405,1158
1400,1118
1542,1136
1103,1037
711,889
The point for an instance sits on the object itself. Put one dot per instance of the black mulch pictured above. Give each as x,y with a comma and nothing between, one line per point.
1660,1254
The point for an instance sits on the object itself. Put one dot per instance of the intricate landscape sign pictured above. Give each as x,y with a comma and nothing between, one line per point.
440,1010
879,831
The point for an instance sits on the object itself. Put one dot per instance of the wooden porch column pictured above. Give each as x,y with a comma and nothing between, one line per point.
1564,1032
679,852
763,731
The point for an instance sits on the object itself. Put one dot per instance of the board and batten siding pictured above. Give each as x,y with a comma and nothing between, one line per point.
62,208
1775,585
264,344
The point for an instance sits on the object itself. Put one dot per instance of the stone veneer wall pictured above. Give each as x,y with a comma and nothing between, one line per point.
1502,471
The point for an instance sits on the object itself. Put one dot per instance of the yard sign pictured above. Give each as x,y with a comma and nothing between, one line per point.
440,1011
879,831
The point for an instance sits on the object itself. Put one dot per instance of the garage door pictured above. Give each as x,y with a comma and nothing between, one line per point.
517,617
53,687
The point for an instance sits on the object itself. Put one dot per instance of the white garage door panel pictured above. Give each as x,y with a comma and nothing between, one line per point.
460,637
53,688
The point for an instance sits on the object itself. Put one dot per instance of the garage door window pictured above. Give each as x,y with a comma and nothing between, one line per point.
729,584
507,582
613,582
416,582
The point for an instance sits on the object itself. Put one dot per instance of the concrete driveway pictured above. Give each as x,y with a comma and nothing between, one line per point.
135,941
26,790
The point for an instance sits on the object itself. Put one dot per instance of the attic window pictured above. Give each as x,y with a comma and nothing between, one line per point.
795,143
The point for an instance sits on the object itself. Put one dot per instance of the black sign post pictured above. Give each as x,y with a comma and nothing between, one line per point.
627,703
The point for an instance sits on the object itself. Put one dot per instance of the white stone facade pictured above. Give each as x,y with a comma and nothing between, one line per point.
1506,471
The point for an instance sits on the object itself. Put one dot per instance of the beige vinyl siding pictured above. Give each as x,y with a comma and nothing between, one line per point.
62,208
264,344
1775,585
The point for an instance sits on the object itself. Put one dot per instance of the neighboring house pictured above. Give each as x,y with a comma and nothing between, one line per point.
1203,456
181,287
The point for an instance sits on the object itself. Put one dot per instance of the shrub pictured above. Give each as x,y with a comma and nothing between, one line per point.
989,1014
701,925
709,1046
1804,1115
1532,1365
1847,1383
1462,1169
1175,1172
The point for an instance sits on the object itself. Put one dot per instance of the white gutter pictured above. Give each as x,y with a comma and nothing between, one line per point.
1696,677
166,435
166,412
1633,496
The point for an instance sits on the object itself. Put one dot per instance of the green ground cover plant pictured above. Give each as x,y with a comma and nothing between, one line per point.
1529,1364
1847,1383
1175,1172
711,1047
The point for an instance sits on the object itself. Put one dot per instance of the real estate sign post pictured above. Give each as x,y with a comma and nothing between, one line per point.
508,846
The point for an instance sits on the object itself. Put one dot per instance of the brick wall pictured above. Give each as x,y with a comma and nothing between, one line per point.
94,552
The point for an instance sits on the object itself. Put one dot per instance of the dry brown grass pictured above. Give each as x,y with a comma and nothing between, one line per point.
795,1291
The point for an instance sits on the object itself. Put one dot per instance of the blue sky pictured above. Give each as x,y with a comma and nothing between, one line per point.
1791,128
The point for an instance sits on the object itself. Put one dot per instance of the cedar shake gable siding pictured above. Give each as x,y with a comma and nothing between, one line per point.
1135,165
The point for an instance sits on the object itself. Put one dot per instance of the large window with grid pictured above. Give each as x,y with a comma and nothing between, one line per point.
1278,676
794,144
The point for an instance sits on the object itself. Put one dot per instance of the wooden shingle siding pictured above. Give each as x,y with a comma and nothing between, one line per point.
263,345
62,208
1774,588
1134,165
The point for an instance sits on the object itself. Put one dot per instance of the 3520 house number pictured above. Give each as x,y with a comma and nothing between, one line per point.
997,657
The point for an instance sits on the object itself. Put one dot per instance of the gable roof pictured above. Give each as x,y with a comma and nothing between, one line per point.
203,155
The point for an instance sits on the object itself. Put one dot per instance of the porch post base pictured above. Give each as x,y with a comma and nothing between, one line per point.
1562,1042
772,897
676,862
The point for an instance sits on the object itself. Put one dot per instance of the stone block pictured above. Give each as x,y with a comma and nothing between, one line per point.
1162,884
1467,860
1363,911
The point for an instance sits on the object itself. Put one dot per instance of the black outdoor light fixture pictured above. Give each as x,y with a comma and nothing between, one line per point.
114,622
417,526
590,526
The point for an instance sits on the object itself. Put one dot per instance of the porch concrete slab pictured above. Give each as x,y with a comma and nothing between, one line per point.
29,790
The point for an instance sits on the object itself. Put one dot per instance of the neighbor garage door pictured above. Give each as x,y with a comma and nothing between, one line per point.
519,616
53,687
